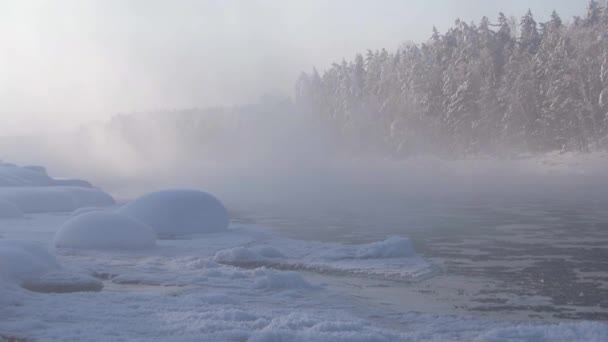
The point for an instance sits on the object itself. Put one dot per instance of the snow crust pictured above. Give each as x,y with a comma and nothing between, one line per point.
104,230
179,212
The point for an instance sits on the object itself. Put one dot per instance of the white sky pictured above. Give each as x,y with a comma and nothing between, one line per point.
64,62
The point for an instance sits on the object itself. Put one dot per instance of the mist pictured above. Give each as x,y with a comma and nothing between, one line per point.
73,62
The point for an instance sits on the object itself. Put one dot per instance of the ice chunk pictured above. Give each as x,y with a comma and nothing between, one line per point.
179,212
104,230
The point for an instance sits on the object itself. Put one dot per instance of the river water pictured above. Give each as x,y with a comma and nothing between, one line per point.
532,254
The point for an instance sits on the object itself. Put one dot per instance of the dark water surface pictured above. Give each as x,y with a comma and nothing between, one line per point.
543,256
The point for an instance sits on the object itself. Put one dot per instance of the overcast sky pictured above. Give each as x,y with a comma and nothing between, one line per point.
67,62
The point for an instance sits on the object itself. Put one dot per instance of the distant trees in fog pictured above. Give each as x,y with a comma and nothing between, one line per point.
476,88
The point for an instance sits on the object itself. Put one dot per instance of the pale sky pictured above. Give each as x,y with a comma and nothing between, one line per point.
66,62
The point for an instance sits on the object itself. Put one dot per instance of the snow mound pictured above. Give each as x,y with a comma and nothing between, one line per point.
31,266
179,212
23,260
104,230
54,198
9,210
273,280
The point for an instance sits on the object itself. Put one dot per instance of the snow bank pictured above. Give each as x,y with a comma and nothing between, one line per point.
104,230
179,212
9,210
53,198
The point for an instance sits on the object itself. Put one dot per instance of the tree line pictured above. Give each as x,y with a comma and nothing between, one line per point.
475,89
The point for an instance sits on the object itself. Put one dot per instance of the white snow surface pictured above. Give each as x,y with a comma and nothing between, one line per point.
181,291
179,212
104,230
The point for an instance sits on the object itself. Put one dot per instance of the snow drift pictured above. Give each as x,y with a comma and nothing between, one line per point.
104,230
179,212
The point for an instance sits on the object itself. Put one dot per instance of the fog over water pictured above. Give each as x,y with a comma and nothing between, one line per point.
70,62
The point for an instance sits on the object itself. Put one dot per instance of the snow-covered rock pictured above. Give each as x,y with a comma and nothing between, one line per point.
104,230
179,212
9,210
53,198
31,266
22,260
